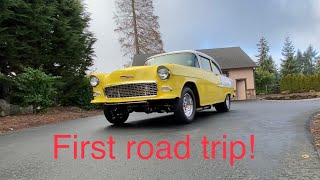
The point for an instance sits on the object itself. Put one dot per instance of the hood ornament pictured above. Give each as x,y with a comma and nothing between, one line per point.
126,76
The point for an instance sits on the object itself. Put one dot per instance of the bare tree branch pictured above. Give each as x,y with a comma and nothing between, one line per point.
138,27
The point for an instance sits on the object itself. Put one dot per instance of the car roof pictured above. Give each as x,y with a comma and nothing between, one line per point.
186,51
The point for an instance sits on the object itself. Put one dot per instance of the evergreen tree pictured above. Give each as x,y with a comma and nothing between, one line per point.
45,33
299,60
24,30
271,65
289,64
318,65
309,60
266,75
138,27
263,50
48,34
265,61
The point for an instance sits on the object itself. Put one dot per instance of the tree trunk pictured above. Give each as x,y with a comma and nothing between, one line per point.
136,43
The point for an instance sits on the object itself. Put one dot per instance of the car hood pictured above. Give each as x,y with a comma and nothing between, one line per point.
136,73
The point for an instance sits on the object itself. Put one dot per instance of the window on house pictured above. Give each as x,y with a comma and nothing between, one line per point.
225,73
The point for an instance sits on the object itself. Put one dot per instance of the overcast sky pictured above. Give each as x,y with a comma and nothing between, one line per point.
204,24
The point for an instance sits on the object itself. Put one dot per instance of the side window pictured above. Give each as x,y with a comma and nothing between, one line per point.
216,69
193,61
205,64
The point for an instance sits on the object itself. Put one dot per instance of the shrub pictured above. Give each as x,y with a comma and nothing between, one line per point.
300,83
76,91
34,87
265,81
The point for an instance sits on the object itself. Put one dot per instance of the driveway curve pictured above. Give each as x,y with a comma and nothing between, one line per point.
279,127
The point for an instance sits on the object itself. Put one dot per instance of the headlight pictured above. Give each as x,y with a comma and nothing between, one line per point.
163,72
94,81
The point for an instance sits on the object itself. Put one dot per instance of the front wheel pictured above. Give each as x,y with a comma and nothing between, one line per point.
224,106
185,106
116,115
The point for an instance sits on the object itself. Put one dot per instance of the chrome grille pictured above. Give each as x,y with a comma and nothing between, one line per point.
131,90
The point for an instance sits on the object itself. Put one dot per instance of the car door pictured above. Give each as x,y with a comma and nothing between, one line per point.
211,81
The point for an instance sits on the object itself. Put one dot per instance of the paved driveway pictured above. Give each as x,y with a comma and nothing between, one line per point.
280,133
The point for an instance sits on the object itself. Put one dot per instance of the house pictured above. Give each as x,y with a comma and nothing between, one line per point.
234,63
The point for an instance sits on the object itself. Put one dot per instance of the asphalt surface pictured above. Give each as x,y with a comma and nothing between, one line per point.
279,127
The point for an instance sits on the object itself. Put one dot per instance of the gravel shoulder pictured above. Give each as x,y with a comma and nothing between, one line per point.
291,96
315,131
53,115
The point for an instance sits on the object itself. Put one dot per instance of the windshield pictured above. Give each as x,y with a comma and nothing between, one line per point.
185,59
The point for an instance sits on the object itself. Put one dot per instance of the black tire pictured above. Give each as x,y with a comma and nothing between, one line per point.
224,106
115,115
179,111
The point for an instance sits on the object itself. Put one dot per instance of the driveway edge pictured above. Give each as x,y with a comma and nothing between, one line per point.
51,116
312,128
296,100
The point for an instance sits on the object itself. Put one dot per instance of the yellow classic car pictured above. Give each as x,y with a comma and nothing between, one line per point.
182,82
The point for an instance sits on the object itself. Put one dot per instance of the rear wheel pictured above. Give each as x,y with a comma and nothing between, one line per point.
115,115
224,106
185,106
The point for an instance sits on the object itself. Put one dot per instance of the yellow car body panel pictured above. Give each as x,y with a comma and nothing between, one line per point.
208,84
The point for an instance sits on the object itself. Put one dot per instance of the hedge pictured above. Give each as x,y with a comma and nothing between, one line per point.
300,83
35,87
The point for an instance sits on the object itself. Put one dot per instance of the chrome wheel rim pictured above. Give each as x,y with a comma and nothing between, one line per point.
228,102
187,105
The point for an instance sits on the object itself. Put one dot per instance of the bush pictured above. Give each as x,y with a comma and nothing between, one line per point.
34,87
265,81
300,83
85,95
76,91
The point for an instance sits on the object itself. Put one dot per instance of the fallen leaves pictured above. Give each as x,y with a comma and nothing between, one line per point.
53,115
292,96
315,131
305,156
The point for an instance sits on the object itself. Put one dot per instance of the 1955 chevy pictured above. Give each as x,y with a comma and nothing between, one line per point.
182,82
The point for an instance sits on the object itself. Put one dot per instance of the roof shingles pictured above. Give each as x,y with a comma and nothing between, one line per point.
228,58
